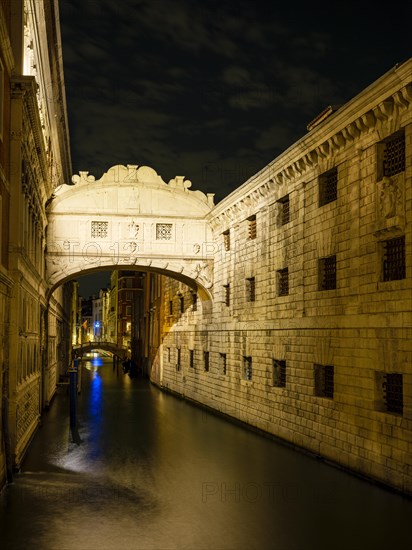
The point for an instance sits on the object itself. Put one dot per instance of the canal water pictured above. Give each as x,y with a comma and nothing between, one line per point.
147,470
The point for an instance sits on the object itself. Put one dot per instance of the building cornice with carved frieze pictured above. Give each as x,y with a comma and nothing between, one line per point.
32,139
371,110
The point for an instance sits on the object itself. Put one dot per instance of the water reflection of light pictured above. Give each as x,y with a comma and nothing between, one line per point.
94,363
96,417
95,393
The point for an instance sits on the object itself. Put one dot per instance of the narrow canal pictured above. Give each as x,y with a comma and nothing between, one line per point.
150,471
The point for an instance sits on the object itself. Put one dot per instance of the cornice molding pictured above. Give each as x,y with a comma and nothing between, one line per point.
311,150
25,87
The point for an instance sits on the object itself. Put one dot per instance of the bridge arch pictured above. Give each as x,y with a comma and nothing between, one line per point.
119,351
130,218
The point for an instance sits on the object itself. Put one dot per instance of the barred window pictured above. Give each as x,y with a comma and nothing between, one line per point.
394,155
392,389
394,267
227,294
279,373
250,289
164,231
252,227
168,355
178,364
206,361
324,380
99,230
182,304
328,187
223,363
247,367
327,273
284,210
226,239
191,358
283,281
194,301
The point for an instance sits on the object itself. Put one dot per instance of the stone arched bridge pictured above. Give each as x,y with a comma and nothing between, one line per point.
120,351
130,217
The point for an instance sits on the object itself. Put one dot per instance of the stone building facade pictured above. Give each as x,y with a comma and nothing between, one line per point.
309,336
35,159
6,283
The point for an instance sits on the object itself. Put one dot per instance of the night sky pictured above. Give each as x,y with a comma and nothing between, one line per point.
213,91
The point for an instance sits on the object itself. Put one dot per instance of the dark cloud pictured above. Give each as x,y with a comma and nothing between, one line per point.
211,90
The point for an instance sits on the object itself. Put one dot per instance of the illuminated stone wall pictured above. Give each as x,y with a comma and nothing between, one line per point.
39,160
309,334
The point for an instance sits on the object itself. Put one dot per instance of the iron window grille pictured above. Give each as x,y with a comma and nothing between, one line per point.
394,267
393,392
191,358
226,240
247,368
223,363
394,155
327,273
283,281
178,359
279,373
252,232
250,289
284,210
227,294
328,187
324,381
206,361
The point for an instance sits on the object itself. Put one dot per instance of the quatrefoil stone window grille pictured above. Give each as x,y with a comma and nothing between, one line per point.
164,231
99,229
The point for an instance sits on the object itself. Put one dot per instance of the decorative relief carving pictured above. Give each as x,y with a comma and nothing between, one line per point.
133,230
390,201
179,183
132,173
202,272
83,177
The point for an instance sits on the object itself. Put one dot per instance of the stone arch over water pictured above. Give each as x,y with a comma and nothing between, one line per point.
130,217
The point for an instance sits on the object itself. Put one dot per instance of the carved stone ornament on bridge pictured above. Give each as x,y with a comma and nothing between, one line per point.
132,173
133,230
202,272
